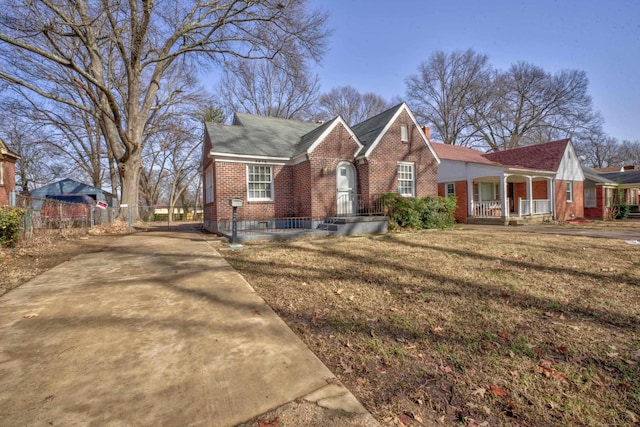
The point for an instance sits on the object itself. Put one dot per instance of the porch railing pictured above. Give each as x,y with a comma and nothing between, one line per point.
364,205
540,206
492,208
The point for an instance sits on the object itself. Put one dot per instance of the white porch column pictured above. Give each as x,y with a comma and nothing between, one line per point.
503,197
530,194
469,197
552,183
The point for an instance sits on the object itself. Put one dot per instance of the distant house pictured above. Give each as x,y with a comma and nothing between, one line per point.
540,181
290,169
602,190
7,173
70,186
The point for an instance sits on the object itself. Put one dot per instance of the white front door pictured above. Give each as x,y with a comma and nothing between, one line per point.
346,188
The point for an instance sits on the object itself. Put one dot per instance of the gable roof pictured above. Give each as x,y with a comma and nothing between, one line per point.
463,154
260,136
372,128
371,131
545,156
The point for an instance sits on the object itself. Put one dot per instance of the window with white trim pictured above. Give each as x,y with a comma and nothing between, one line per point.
259,182
208,185
1,172
404,133
450,188
406,179
569,191
590,197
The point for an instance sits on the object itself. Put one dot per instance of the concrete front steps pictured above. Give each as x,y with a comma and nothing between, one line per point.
351,225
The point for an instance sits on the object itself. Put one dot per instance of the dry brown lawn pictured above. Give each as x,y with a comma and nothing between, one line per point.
464,326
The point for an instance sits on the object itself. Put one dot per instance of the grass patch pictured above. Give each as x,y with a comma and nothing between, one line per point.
503,327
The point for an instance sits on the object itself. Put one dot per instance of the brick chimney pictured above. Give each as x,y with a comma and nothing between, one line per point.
427,132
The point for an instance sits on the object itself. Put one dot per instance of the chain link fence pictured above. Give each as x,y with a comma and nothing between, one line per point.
43,216
48,216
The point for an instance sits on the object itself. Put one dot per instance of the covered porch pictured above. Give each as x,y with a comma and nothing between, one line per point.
511,197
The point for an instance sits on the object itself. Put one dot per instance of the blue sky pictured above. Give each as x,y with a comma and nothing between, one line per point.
376,44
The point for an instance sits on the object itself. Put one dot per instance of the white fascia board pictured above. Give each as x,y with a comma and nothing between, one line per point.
330,129
239,157
298,159
531,172
404,107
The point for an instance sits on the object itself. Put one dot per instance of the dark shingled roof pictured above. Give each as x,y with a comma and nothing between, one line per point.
594,175
545,156
629,177
307,140
369,130
258,136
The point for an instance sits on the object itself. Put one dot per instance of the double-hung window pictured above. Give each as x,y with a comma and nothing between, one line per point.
259,182
406,179
569,191
590,197
451,189
209,185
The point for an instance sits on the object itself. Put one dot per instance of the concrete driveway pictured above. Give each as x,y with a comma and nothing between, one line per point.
158,330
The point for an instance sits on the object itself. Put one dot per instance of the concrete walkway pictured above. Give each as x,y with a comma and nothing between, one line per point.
158,330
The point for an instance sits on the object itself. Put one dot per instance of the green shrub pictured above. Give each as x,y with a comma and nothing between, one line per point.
622,210
419,212
10,225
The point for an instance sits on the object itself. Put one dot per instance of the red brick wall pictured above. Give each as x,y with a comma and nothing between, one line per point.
539,189
231,182
8,181
383,161
301,187
337,147
567,210
600,211
462,200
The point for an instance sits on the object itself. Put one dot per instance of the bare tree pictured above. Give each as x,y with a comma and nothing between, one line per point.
441,91
598,150
24,137
518,106
348,102
269,88
120,52
630,153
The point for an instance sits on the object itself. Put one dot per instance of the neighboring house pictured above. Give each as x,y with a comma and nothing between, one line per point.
7,173
69,186
603,190
289,169
541,181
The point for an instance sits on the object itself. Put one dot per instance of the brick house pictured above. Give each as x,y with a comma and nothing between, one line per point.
602,189
7,173
539,181
290,169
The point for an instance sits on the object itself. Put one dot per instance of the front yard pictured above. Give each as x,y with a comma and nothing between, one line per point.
465,326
